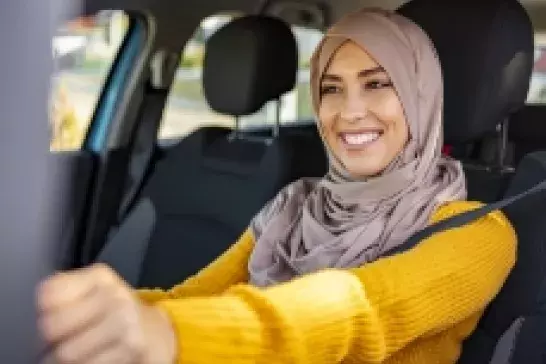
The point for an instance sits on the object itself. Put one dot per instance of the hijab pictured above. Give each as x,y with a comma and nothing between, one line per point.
342,222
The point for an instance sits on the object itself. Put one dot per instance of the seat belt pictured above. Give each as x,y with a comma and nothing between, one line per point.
163,68
144,147
464,218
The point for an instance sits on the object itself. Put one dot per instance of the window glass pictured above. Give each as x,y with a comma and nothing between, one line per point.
84,51
537,90
187,109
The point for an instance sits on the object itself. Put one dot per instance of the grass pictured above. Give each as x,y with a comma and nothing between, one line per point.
192,60
190,90
94,63
305,108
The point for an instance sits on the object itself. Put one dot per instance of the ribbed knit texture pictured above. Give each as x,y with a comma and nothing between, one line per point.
412,308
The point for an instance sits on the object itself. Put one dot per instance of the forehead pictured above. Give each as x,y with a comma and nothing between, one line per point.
350,58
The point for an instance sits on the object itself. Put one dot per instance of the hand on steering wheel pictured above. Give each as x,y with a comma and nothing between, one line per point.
91,316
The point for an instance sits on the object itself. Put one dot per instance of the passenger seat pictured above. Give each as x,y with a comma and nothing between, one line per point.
205,190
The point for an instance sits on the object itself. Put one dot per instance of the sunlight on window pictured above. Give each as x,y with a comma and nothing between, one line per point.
537,90
84,50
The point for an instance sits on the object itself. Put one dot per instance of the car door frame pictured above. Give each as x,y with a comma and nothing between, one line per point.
111,133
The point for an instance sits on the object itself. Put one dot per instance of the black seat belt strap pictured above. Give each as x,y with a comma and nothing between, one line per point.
144,147
465,218
163,67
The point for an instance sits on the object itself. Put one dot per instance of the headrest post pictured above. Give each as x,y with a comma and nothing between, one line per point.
276,126
502,144
236,130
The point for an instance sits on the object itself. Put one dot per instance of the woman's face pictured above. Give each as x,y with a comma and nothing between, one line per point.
361,117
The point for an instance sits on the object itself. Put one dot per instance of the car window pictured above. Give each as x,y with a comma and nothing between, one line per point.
537,90
187,109
84,51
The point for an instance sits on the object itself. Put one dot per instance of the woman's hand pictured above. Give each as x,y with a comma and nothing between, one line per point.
91,316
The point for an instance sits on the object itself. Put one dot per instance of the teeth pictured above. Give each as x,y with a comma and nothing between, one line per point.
363,138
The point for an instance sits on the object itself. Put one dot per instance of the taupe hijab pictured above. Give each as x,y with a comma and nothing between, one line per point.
340,222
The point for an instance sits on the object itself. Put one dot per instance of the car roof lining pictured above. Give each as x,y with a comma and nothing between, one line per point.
176,24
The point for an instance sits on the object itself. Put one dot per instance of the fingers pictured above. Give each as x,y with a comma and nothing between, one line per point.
65,288
110,355
114,355
91,316
107,339
70,302
59,323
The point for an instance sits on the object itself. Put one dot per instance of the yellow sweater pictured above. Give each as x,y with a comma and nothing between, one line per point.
412,308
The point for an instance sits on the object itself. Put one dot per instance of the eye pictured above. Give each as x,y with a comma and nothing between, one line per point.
329,89
377,84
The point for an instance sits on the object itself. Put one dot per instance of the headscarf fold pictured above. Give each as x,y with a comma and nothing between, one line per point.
341,222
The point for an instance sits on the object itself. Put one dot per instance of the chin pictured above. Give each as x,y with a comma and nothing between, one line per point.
364,171
362,161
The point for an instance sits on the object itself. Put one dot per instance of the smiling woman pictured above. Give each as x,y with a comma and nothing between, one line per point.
311,280
361,117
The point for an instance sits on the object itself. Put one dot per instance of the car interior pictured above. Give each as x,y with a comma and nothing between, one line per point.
144,203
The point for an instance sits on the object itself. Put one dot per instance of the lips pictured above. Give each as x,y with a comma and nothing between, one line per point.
360,138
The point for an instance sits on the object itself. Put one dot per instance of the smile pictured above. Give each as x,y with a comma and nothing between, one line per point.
360,138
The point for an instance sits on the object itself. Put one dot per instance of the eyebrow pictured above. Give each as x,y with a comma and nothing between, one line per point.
364,73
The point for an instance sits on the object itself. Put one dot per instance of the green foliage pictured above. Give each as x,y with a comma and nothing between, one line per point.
192,60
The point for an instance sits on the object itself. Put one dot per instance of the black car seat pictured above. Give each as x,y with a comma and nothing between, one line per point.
486,51
527,130
513,328
496,68
204,191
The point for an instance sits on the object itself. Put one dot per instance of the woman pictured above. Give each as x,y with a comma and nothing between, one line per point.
307,282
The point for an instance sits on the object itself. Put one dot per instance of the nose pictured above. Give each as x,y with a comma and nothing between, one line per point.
354,107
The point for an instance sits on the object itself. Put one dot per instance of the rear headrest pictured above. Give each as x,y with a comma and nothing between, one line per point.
486,51
248,62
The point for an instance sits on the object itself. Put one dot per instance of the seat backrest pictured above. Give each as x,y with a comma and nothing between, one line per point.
205,190
513,328
487,63
514,325
528,130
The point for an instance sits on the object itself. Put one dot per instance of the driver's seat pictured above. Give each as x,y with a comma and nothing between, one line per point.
486,52
487,64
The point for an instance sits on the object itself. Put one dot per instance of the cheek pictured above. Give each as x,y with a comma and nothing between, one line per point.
392,113
327,115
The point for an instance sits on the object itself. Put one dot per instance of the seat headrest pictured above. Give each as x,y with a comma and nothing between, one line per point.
248,62
486,51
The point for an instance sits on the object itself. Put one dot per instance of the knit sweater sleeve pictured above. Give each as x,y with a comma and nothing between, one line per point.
227,270
364,314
